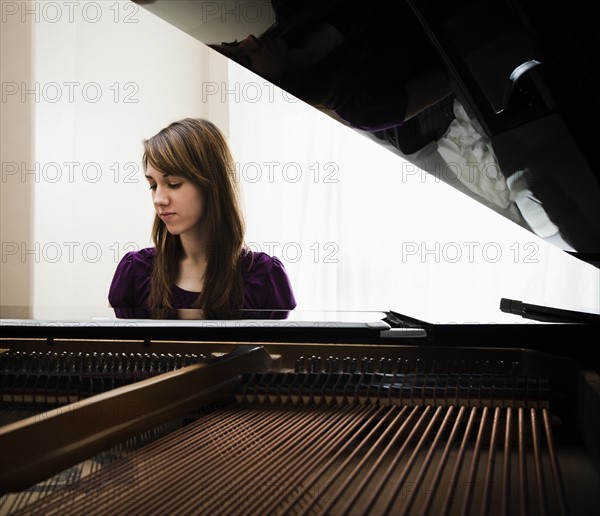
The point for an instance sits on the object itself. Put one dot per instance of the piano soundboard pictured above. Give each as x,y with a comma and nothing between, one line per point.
193,427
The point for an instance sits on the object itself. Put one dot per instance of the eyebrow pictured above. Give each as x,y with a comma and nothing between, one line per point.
150,177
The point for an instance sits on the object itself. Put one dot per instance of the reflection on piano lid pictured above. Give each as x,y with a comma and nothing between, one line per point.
525,71
524,76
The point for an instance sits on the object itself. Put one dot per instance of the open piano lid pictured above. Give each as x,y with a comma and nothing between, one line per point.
522,73
522,103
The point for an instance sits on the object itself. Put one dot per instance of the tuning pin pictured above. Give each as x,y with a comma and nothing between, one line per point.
124,362
345,364
72,366
162,362
332,365
131,362
35,362
137,362
154,363
94,362
178,361
61,359
314,364
363,364
145,365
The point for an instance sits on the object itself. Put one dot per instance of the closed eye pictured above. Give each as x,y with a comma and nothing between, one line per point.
172,186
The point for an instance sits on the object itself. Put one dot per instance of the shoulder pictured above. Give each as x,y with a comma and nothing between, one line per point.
141,259
256,261
135,266
258,266
266,283
131,281
136,263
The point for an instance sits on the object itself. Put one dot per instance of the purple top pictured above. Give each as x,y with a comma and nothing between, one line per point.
266,285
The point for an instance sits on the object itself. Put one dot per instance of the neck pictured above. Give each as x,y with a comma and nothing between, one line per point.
194,247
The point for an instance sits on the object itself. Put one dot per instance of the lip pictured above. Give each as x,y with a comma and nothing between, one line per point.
166,214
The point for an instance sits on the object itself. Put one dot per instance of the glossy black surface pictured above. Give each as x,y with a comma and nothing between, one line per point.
525,72
541,122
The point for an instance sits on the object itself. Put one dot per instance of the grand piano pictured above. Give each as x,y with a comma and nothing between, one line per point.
328,412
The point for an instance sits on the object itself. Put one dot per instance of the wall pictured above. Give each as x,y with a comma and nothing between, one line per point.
103,76
16,147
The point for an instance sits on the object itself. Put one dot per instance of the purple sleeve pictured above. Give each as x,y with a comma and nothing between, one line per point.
266,284
130,285
278,290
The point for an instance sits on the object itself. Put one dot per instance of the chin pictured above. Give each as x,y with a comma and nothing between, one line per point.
174,231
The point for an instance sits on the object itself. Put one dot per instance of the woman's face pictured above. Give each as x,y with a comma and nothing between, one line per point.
177,201
266,57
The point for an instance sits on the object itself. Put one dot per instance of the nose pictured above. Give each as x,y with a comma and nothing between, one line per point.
250,43
161,197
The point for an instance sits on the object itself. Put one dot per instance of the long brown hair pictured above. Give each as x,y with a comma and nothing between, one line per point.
197,150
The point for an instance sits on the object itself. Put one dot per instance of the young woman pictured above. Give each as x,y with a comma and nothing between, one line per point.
368,63
199,260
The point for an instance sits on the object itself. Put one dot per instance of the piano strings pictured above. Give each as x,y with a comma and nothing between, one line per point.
344,439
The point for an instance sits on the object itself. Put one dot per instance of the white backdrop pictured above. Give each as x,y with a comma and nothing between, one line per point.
104,76
359,228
